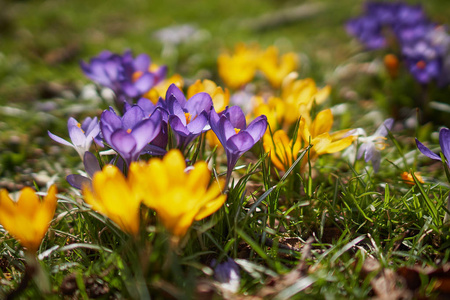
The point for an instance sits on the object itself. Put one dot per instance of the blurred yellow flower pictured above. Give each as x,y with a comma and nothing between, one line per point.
28,219
273,109
317,133
177,196
160,89
299,96
238,69
115,197
276,68
220,97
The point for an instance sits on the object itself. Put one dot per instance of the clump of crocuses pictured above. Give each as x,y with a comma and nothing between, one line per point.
424,45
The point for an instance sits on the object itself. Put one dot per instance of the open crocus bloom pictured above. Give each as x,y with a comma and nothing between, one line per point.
276,68
28,218
317,134
81,135
130,134
114,196
188,119
125,75
178,197
234,135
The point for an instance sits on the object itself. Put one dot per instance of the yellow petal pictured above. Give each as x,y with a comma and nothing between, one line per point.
322,123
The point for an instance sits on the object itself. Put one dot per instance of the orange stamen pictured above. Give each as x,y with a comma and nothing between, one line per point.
136,75
421,64
129,130
237,130
79,126
188,117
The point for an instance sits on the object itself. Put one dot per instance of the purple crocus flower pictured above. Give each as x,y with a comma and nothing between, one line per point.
81,135
188,119
233,133
128,77
367,30
444,141
130,134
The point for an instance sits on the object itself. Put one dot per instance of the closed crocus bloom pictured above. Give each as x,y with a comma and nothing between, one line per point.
276,68
238,69
28,218
283,151
114,196
220,97
177,196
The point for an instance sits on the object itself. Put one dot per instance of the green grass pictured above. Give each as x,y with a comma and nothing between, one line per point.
344,211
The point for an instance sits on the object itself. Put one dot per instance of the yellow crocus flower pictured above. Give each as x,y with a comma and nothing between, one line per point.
220,97
115,197
276,68
179,197
283,151
299,96
238,69
273,109
317,133
28,218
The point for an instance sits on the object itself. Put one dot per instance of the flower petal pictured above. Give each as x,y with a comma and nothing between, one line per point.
427,152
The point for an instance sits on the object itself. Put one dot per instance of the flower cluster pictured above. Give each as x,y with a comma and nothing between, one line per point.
424,45
238,69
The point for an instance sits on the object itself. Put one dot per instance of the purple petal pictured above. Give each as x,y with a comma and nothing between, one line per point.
133,116
177,125
91,165
78,181
129,89
111,119
77,136
175,108
145,83
236,117
240,143
144,132
59,140
198,103
142,62
444,141
425,151
147,106
123,142
198,124
257,128
177,93
72,122
383,129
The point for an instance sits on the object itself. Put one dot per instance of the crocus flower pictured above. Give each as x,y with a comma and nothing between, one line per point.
177,196
444,141
227,274
125,75
408,178
317,134
220,97
370,146
234,135
28,218
114,196
276,68
283,151
130,134
81,135
238,69
188,119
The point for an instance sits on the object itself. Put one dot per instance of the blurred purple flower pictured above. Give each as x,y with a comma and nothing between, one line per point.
128,77
188,119
234,135
81,135
367,30
130,134
370,146
227,274
444,141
